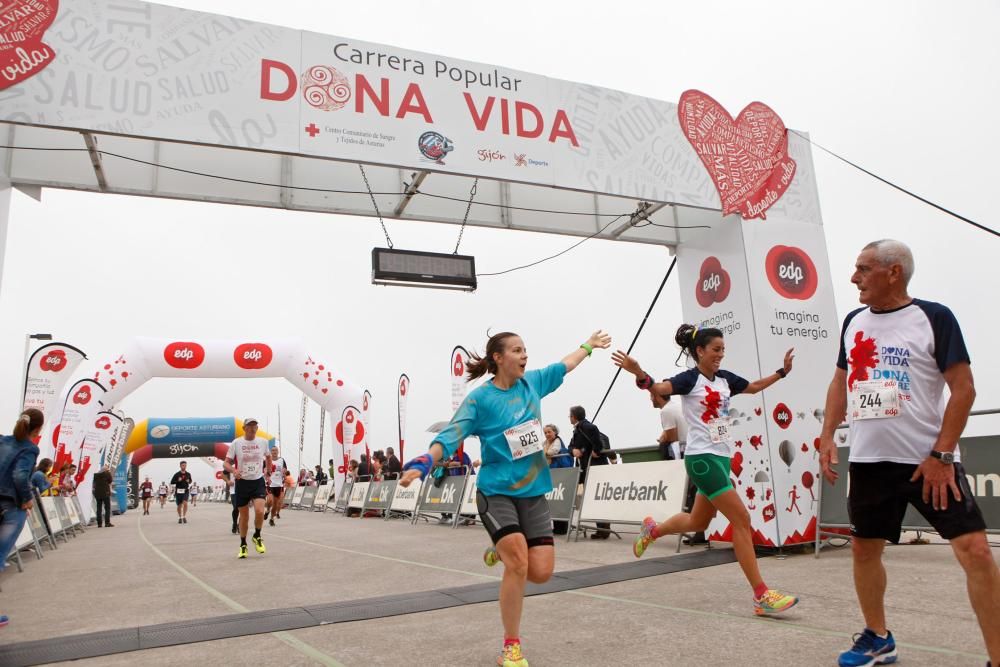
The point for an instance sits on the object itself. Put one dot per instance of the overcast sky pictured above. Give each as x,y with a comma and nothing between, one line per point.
907,89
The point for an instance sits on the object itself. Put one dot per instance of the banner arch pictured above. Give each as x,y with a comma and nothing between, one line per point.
162,432
179,451
147,358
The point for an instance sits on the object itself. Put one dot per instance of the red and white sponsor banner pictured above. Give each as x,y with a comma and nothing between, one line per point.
366,419
148,70
456,369
350,433
101,433
402,393
781,267
49,369
161,357
81,405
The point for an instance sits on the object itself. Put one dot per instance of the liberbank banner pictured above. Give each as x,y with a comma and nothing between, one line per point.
146,70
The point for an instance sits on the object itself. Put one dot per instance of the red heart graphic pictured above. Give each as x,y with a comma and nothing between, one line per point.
324,390
736,463
22,52
746,158
738,443
757,411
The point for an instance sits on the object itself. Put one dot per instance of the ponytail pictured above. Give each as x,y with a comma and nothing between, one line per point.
29,421
478,366
690,337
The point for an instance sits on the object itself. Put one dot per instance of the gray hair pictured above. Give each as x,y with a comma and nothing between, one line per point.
889,252
555,429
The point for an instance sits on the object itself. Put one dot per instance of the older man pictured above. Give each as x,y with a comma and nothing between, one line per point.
897,354
102,494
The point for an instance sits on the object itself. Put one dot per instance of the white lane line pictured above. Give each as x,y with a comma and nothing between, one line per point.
292,641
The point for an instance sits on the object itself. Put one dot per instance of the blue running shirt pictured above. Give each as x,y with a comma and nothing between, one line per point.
487,412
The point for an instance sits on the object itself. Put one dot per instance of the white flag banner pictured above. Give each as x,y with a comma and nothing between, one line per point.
366,420
81,405
404,390
49,369
116,448
100,435
302,426
457,369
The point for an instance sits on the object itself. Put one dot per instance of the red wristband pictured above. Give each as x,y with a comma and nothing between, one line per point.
645,383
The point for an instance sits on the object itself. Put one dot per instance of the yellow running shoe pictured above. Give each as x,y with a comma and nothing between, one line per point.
258,544
512,657
773,602
645,537
242,552
490,556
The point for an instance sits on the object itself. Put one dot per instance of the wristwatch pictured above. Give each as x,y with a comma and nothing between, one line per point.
944,457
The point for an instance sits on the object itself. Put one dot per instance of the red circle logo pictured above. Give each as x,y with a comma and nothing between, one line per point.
104,423
184,355
253,356
53,361
791,272
713,283
82,395
782,416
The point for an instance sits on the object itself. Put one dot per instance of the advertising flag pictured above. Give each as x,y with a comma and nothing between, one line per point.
404,390
49,369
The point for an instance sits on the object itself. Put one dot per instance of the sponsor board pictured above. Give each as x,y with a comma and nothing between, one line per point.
633,491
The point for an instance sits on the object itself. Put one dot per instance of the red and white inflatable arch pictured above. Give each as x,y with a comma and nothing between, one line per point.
147,358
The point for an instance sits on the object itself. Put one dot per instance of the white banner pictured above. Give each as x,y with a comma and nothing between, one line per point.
457,371
358,494
116,448
401,396
322,495
302,427
781,267
206,78
469,497
49,369
100,435
633,491
405,500
81,404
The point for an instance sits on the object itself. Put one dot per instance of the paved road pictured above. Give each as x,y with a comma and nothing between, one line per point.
150,570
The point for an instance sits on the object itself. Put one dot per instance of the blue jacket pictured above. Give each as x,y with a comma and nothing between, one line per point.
17,461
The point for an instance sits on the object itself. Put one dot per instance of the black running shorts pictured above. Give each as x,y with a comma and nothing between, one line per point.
505,515
881,491
248,489
274,491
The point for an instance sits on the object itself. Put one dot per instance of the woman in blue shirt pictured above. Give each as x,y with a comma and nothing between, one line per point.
505,413
18,454
39,478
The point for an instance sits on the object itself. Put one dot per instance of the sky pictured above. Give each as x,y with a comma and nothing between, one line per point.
903,88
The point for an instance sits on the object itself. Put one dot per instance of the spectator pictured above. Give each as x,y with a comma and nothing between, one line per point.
18,454
674,428
67,482
392,467
302,477
320,475
364,468
332,470
376,467
310,478
352,470
588,448
39,478
555,450
102,494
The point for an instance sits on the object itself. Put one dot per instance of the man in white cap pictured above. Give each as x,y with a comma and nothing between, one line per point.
249,461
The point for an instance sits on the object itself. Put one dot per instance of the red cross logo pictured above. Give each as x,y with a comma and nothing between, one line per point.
312,130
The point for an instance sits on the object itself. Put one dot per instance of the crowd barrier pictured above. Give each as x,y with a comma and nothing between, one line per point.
981,460
49,519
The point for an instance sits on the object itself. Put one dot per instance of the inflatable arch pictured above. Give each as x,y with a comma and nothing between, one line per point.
147,358
158,433
179,451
